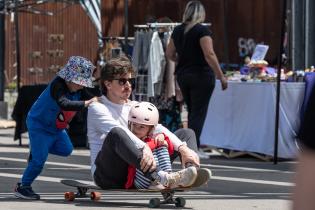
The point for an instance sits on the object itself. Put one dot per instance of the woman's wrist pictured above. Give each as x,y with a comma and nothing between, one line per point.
221,77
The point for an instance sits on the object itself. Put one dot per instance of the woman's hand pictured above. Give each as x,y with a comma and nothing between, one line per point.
224,83
188,156
147,162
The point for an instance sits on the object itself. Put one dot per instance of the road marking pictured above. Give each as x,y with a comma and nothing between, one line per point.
268,193
211,166
176,162
256,181
4,149
49,163
46,168
14,149
122,195
12,168
42,178
244,168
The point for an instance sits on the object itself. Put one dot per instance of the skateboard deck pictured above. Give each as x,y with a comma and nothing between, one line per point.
168,194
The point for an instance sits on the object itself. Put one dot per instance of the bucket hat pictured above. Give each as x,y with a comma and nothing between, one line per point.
78,70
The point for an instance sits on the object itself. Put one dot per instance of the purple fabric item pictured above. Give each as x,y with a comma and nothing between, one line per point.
270,70
309,87
244,70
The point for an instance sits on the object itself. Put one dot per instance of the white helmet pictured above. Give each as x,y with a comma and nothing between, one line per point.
144,113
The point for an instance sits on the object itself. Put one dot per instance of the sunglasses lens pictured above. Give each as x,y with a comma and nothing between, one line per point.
123,81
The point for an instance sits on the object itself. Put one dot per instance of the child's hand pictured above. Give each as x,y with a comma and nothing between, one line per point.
94,99
88,102
160,140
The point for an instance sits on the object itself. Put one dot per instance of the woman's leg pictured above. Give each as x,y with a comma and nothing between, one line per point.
197,89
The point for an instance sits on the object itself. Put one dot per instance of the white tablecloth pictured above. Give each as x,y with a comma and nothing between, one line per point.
243,118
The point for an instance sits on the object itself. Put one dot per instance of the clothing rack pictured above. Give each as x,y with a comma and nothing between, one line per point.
162,25
116,38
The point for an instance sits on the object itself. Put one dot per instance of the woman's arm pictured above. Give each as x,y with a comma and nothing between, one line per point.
171,51
206,44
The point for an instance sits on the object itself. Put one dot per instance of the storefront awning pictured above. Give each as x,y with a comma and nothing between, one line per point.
93,10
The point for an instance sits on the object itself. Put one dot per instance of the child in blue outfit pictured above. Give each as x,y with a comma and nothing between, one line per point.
49,117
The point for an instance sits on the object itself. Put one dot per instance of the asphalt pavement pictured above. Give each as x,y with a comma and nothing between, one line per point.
242,183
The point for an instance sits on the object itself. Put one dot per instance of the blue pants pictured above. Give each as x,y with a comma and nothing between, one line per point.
42,143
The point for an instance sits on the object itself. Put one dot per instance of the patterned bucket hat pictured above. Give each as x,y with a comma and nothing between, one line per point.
78,70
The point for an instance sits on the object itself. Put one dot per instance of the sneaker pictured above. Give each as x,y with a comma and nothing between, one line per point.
183,178
202,154
25,192
204,175
156,186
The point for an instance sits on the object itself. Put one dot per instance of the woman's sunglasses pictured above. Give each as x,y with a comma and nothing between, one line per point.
123,81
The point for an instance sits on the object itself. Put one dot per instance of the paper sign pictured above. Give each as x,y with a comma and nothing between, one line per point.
260,52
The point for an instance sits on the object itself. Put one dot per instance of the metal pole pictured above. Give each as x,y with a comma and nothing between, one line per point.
284,9
226,40
126,27
2,50
17,51
298,34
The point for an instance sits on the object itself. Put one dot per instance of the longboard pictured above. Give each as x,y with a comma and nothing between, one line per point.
168,194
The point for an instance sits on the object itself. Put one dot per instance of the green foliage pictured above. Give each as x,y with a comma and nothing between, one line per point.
11,86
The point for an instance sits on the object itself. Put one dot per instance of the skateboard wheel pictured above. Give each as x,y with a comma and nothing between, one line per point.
154,203
69,196
180,202
95,196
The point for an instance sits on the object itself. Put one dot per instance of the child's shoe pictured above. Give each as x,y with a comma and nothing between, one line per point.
183,178
156,186
25,192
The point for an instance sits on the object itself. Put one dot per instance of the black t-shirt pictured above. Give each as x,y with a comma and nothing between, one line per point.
188,46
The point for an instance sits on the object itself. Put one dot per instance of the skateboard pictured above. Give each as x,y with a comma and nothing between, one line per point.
168,194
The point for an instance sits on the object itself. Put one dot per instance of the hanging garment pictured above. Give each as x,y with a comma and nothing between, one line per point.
156,63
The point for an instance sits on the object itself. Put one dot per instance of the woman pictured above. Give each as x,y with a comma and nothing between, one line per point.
191,47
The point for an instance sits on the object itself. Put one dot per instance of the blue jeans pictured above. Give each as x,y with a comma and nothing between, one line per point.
42,143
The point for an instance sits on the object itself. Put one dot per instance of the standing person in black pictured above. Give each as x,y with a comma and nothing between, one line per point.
197,65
